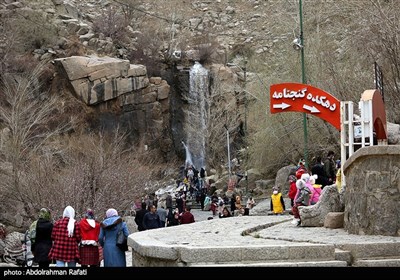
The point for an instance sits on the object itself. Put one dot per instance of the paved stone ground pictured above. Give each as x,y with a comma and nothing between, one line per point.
260,231
199,216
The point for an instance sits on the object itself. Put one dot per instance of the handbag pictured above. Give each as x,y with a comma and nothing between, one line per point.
122,241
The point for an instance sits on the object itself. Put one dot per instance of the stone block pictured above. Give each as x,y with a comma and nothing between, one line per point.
341,255
78,67
148,98
163,92
130,98
80,87
136,70
334,220
155,80
312,252
395,262
314,215
211,254
150,88
261,253
373,250
124,85
149,247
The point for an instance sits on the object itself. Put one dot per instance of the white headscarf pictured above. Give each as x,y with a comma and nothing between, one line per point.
70,213
111,212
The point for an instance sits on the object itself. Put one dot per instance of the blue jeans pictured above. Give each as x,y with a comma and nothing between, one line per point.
62,264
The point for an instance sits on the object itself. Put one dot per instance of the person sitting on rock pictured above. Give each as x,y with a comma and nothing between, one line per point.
239,209
317,190
302,199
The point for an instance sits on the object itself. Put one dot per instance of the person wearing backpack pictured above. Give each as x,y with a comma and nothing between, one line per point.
40,236
109,227
302,199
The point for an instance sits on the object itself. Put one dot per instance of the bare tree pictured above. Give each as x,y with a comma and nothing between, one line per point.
224,117
27,119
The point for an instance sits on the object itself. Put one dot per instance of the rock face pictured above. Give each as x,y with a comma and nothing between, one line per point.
314,216
144,102
153,110
372,193
98,79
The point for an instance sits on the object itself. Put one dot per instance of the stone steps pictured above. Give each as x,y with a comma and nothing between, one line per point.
370,254
193,204
381,262
297,254
342,259
314,256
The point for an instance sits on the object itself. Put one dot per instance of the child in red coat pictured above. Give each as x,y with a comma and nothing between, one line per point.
292,189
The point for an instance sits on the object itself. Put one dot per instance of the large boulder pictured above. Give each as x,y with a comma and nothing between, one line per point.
253,175
281,180
393,131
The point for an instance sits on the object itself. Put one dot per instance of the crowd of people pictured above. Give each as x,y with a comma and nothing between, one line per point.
67,242
306,187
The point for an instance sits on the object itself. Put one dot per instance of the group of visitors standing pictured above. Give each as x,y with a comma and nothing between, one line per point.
153,217
68,242
305,189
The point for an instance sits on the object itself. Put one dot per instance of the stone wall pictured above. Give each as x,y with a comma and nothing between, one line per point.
372,194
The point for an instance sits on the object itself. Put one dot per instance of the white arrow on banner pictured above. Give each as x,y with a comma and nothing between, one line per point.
311,109
282,106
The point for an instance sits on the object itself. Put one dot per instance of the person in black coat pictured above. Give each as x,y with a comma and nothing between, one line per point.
139,217
233,201
42,245
173,219
318,169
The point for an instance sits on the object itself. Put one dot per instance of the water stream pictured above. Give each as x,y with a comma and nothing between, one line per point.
196,118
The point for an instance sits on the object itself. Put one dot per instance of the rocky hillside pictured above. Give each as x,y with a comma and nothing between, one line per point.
245,44
120,27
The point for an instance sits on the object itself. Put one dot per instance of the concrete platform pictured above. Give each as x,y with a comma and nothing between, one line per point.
259,241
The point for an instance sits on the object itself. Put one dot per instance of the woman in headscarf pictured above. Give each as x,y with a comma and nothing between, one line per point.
42,243
113,256
90,230
66,236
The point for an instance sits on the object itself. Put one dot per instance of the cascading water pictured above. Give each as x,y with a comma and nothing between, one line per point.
196,118
188,160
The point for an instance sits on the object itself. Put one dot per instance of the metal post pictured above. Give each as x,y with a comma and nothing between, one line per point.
245,124
229,152
303,79
245,101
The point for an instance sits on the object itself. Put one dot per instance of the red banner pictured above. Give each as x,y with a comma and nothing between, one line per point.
294,97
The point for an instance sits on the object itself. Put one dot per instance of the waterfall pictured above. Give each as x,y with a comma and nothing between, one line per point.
196,118
188,160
